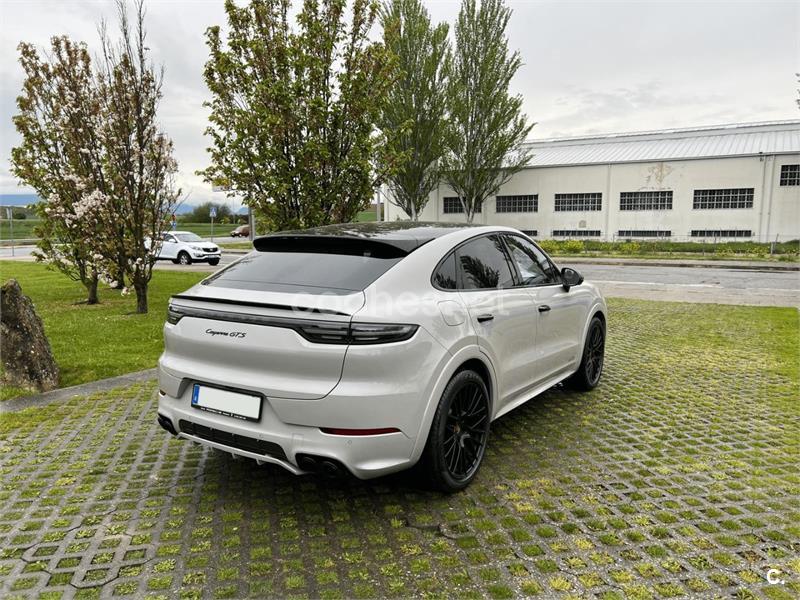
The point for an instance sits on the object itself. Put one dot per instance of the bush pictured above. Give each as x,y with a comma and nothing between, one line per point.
573,247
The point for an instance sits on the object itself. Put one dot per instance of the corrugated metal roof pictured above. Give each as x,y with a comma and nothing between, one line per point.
748,139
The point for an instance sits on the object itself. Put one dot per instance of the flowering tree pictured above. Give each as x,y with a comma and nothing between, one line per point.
59,157
92,149
139,166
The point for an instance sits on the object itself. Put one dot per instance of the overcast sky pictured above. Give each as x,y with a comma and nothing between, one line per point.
589,67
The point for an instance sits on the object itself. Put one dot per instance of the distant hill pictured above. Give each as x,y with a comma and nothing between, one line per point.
18,199
26,199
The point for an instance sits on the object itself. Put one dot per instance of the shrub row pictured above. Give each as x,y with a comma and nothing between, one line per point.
562,247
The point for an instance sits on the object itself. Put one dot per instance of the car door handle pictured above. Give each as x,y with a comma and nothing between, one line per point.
484,318
544,308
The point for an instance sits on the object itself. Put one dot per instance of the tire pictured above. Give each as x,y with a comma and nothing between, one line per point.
213,261
457,442
184,258
174,261
588,374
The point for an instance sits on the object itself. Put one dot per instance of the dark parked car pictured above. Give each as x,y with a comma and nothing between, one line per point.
241,231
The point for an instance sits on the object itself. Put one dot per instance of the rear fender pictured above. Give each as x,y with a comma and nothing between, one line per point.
450,369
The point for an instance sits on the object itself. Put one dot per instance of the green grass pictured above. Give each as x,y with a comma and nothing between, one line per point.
23,229
223,230
104,340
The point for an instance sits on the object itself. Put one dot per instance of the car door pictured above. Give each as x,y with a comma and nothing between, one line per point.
504,316
561,312
169,247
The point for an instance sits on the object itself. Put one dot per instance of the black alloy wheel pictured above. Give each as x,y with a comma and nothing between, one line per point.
588,374
459,432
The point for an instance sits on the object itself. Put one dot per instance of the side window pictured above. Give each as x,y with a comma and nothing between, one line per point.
445,275
534,268
483,264
168,238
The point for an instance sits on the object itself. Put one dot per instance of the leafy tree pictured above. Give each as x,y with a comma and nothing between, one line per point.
294,108
486,128
139,166
202,213
416,106
58,120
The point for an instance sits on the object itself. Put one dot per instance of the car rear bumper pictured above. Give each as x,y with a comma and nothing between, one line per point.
272,441
382,386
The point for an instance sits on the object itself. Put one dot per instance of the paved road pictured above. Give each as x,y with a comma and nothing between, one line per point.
687,284
681,284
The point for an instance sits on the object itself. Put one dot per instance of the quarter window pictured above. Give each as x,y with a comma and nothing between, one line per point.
445,275
727,198
790,174
483,264
579,202
533,266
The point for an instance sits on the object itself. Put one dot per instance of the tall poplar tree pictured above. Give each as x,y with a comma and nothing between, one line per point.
416,105
486,127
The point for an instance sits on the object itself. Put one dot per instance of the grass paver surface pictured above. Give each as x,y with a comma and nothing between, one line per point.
676,477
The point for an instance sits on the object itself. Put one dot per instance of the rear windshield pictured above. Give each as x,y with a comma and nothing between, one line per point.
306,272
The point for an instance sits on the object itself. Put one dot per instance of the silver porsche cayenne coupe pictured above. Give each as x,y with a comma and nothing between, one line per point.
370,348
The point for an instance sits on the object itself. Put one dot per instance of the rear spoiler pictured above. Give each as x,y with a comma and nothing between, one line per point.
269,305
329,244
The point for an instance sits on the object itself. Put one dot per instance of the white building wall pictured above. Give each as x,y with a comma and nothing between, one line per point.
775,213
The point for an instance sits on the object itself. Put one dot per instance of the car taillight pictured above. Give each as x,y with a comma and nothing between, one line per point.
173,314
325,332
356,333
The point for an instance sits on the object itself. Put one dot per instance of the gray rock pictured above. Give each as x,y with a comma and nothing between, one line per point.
28,361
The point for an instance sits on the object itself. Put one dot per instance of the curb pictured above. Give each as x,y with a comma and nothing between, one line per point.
83,389
700,264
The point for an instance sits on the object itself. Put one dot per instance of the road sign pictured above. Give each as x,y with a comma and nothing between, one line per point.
213,212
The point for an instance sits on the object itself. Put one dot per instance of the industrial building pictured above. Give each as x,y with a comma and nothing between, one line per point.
723,183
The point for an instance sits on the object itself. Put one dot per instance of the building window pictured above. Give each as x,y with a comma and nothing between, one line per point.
660,200
790,174
530,232
517,204
730,198
643,233
722,233
452,205
571,233
579,202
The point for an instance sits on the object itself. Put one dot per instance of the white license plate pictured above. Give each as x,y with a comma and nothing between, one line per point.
227,403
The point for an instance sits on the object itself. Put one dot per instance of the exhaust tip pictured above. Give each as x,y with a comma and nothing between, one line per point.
166,424
330,469
321,465
307,463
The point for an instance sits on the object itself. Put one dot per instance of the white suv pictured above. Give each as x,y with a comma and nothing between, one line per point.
185,247
367,348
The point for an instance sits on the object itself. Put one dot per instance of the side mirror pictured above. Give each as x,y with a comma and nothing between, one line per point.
570,277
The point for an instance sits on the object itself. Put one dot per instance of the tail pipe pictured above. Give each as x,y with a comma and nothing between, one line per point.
322,465
166,424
